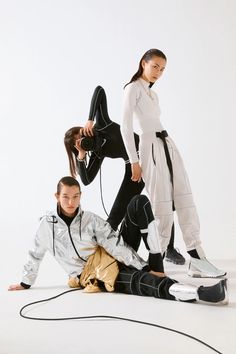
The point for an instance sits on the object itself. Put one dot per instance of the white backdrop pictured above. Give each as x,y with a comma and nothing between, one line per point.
52,56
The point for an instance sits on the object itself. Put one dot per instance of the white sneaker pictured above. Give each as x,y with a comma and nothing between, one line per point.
202,268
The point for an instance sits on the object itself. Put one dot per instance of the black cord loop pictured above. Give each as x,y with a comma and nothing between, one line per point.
106,317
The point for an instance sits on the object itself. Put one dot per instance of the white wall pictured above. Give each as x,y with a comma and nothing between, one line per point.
54,53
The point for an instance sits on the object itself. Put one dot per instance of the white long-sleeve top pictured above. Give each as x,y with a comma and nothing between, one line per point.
141,103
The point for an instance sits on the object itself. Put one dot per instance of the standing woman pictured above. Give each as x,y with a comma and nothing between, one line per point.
160,164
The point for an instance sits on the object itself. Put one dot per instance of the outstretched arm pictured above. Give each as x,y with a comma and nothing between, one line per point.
36,254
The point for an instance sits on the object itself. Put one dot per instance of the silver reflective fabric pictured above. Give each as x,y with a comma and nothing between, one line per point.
87,230
184,292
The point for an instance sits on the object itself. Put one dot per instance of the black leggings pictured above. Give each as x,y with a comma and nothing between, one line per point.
127,191
135,227
136,282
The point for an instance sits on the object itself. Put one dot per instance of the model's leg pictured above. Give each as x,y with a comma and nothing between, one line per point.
98,108
131,281
157,180
172,254
157,174
135,282
189,221
172,238
184,204
127,191
139,223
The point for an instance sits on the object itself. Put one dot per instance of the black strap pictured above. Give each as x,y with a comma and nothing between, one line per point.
163,135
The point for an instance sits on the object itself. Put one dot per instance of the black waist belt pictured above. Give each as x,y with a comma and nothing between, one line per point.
163,135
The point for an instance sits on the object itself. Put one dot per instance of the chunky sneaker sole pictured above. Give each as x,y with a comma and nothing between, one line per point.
202,268
173,256
216,294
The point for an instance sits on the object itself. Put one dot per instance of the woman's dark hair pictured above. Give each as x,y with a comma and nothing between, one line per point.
146,56
67,181
72,152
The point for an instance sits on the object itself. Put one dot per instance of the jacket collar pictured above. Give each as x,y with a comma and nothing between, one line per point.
54,217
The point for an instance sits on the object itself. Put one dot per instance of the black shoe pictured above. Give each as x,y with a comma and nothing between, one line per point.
173,255
216,293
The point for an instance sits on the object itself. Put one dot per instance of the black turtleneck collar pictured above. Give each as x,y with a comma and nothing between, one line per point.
68,219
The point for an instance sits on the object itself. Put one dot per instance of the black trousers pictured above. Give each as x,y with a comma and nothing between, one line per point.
134,228
127,191
136,282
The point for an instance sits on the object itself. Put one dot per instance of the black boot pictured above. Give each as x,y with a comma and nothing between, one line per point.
173,255
216,293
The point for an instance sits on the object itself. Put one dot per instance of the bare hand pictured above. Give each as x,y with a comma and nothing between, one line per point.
82,153
88,128
157,274
74,283
16,287
136,172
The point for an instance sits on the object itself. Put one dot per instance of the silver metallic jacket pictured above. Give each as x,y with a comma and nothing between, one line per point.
71,246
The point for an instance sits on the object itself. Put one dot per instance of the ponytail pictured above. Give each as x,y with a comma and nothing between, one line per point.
72,152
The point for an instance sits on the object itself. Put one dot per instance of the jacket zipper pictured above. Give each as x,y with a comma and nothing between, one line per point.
74,245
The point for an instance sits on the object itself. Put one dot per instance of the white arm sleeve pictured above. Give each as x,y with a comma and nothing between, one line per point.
127,131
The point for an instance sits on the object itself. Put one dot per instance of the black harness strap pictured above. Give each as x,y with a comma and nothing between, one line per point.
163,135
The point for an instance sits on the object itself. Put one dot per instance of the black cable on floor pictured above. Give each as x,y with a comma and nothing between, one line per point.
107,317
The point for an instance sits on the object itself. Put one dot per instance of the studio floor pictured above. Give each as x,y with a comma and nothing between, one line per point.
215,325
